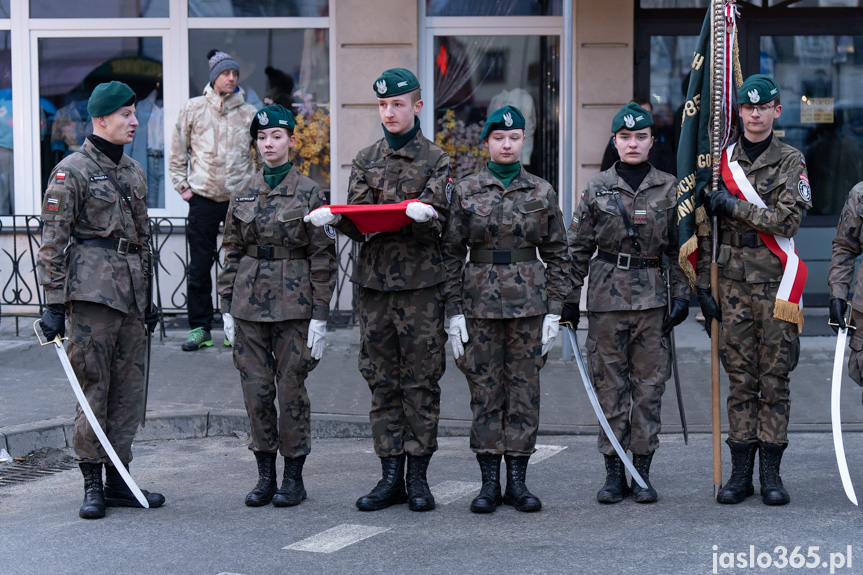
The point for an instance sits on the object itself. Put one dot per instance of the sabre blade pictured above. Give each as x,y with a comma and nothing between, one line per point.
835,418
594,402
97,428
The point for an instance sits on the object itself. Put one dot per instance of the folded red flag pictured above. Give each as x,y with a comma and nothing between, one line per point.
371,218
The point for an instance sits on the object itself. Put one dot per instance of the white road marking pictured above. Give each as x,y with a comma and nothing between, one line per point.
336,538
446,492
226,573
544,452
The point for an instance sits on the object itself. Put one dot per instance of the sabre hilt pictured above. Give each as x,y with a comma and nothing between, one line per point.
846,317
58,341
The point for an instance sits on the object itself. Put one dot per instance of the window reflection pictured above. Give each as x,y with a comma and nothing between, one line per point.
475,75
98,9
497,8
821,82
4,8
69,69
258,8
287,67
7,176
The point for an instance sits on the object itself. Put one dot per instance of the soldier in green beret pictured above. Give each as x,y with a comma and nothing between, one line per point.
504,304
278,277
93,267
627,216
758,339
400,303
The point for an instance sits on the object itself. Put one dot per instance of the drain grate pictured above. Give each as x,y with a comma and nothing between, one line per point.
23,471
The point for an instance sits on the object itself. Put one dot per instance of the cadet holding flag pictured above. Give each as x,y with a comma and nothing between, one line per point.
93,267
278,278
764,195
400,276
504,304
628,213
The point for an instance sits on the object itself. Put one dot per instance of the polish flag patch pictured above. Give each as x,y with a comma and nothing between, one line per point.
60,176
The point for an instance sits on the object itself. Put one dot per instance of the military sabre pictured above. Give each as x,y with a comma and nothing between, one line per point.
594,402
91,417
674,367
835,419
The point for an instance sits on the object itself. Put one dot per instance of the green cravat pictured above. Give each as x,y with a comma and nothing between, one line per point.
506,173
274,176
398,142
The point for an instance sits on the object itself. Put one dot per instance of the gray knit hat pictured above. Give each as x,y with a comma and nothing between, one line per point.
219,62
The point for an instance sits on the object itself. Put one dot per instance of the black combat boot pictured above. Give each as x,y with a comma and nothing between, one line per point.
517,493
769,458
292,491
420,497
489,497
615,488
266,487
390,490
118,494
94,494
739,485
642,465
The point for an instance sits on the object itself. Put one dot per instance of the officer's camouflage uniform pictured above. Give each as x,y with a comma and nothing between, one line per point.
757,350
847,245
629,358
400,302
504,304
105,290
272,301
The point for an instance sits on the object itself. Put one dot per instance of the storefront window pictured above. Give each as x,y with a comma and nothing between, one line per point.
821,81
478,74
259,8
69,69
7,176
495,8
287,67
98,9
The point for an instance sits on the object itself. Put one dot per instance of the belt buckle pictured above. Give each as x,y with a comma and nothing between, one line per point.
500,257
622,265
266,252
122,246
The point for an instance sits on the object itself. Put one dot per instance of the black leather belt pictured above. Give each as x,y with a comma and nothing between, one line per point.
627,261
122,246
275,253
736,240
502,256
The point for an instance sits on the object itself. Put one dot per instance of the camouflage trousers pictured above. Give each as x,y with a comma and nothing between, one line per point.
273,361
758,353
107,349
501,361
402,358
855,342
630,361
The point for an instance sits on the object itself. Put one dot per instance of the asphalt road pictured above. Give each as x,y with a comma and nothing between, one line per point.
204,528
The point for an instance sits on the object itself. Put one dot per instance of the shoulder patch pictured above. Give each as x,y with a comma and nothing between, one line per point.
449,187
60,176
804,190
330,231
53,203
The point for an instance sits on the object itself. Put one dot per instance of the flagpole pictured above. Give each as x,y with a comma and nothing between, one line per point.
718,73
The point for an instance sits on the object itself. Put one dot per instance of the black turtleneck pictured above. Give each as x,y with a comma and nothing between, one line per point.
113,151
756,149
633,174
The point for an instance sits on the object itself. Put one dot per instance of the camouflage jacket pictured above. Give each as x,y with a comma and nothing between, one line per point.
486,216
777,175
847,245
598,224
81,203
410,258
278,289
211,148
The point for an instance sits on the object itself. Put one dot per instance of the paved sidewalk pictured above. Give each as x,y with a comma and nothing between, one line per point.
197,394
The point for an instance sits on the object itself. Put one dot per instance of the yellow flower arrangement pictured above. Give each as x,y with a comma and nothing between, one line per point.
462,144
312,147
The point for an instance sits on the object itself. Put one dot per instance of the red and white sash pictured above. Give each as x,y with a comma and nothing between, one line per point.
789,299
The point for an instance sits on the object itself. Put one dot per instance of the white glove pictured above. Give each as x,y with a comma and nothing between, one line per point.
458,334
322,217
230,329
550,327
317,339
420,212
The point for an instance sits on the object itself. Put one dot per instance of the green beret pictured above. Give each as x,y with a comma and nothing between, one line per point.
395,82
110,97
275,116
506,118
757,89
631,117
